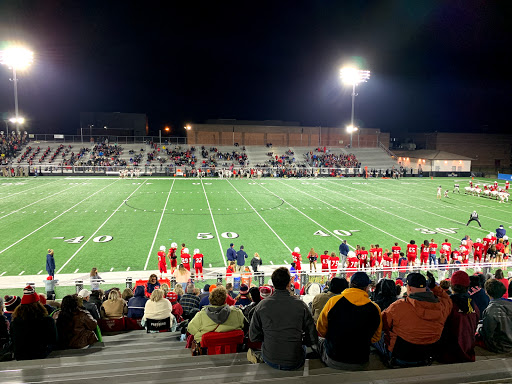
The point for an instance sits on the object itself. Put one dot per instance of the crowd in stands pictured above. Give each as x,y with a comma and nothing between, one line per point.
332,160
11,145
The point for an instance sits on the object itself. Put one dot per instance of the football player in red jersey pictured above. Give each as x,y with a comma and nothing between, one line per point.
182,248
185,259
486,243
363,257
425,251
432,257
297,258
477,254
173,258
396,253
372,258
352,264
464,253
162,261
507,185
198,263
324,260
379,254
387,264
334,263
447,247
412,253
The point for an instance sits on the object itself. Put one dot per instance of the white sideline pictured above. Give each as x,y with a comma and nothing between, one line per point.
101,226
256,211
214,225
158,227
55,218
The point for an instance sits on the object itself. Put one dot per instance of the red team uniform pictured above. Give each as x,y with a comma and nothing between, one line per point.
198,263
379,255
334,262
324,259
424,254
477,254
373,257
412,253
352,266
173,259
396,253
387,263
162,260
185,259
297,259
447,252
363,258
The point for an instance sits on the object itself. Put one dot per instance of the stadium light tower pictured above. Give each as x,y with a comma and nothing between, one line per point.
353,76
17,58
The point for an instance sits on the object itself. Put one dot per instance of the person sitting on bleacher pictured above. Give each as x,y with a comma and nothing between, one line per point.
216,317
159,308
75,325
137,303
177,309
115,307
190,303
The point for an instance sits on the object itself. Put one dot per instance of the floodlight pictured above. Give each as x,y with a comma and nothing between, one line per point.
354,76
17,57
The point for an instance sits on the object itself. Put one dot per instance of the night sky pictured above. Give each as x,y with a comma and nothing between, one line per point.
436,65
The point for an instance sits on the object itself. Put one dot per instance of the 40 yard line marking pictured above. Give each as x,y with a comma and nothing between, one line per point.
55,218
214,225
101,226
158,227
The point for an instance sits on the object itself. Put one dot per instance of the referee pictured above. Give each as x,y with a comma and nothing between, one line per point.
474,217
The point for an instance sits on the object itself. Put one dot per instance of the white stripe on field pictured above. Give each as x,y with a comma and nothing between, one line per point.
101,226
55,218
214,225
158,227
76,270
21,273
256,211
26,190
41,271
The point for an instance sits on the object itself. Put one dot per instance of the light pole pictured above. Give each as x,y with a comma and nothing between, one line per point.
353,76
17,58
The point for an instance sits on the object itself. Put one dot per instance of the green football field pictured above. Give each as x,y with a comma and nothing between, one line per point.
119,224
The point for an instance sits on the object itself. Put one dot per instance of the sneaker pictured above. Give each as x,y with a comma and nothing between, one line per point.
254,357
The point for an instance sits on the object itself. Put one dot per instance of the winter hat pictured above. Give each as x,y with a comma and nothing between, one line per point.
460,278
265,292
206,288
84,293
172,296
338,285
399,282
416,280
244,289
360,279
11,302
42,299
29,295
212,287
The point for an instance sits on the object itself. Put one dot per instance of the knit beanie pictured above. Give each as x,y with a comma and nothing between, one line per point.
11,302
29,295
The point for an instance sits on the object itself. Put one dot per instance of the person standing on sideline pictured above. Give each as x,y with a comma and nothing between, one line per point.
343,252
500,232
50,263
474,217
240,259
256,262
231,253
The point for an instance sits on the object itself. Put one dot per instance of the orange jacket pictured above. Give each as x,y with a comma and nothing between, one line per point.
416,321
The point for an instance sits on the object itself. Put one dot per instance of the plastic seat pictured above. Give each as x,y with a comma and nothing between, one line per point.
219,343
112,325
132,324
163,325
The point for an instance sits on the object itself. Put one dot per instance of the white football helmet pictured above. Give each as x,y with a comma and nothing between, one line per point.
185,250
297,249
174,245
196,251
478,240
505,238
351,254
464,242
489,236
162,248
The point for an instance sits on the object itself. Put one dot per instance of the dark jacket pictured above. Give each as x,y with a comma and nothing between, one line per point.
350,318
480,298
33,339
77,332
283,323
497,326
255,263
92,308
50,264
344,249
4,331
240,257
231,254
457,344
137,303
385,293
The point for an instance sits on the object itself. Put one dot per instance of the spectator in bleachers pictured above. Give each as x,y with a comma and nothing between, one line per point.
336,286
137,303
256,298
114,307
350,318
33,332
96,298
285,326
91,307
152,284
11,303
159,308
190,302
414,324
128,294
177,309
498,275
4,329
75,325
477,293
230,289
49,308
457,344
205,292
385,293
244,297
179,290
496,331
217,317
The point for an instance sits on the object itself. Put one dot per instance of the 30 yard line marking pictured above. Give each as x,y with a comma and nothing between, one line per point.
256,211
214,225
158,227
101,226
55,218
35,202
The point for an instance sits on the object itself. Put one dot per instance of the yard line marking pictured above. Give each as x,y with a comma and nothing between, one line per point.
270,261
94,234
302,213
35,202
25,190
346,213
41,271
256,211
21,273
3,273
127,269
214,225
55,218
111,269
158,227
285,262
76,270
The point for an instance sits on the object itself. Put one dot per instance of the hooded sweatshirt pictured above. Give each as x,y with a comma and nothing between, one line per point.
417,319
218,318
137,303
497,326
385,293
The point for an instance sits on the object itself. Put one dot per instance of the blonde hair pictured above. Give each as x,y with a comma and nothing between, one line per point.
179,290
157,295
181,269
113,295
164,287
50,251
256,254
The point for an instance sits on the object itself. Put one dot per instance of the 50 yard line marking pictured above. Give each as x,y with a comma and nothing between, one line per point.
254,209
101,226
158,227
214,225
56,217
